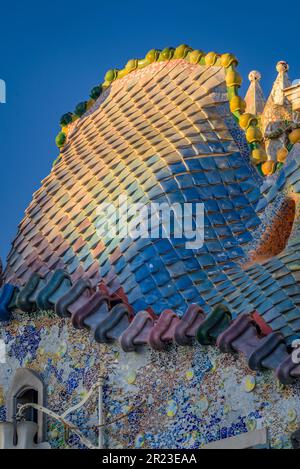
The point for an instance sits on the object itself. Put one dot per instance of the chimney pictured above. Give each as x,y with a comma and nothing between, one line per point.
255,100
292,93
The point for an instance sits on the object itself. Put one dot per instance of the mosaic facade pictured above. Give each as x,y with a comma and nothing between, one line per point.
181,398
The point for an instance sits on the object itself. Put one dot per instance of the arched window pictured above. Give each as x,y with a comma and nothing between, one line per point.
27,387
27,396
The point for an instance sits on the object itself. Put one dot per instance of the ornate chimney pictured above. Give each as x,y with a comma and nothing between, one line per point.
292,93
255,100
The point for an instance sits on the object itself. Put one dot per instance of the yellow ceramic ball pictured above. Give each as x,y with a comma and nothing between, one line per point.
294,136
247,119
237,104
259,155
282,154
228,59
233,78
253,134
268,167
211,58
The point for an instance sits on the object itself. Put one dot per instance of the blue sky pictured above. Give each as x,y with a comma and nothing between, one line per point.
53,53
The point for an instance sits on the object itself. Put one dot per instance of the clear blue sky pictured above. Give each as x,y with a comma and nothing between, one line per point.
52,54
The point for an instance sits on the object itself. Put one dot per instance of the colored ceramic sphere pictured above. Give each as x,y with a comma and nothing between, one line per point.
60,139
247,119
95,92
111,75
131,65
195,56
258,155
294,136
166,54
66,119
80,109
253,134
233,78
282,154
211,58
152,55
181,51
268,167
237,104
228,59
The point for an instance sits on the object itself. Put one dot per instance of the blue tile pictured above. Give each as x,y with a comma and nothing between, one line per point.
176,301
161,277
220,192
169,185
177,168
142,273
227,176
139,305
185,180
208,163
190,294
222,162
148,253
199,179
187,151
183,282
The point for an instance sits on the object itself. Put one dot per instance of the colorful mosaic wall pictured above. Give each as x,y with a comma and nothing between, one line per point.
173,400
168,130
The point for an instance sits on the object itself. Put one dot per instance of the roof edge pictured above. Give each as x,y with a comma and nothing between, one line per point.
248,122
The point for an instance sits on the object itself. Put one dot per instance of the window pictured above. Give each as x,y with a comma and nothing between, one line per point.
24,397
27,387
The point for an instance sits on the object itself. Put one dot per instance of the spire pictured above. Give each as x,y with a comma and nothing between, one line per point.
277,115
278,108
282,81
255,100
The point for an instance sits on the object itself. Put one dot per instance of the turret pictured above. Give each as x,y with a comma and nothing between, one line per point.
255,100
276,119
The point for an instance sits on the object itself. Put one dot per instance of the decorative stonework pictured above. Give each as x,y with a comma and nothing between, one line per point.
292,93
255,100
25,432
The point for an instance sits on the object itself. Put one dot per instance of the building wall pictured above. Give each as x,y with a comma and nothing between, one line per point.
184,397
